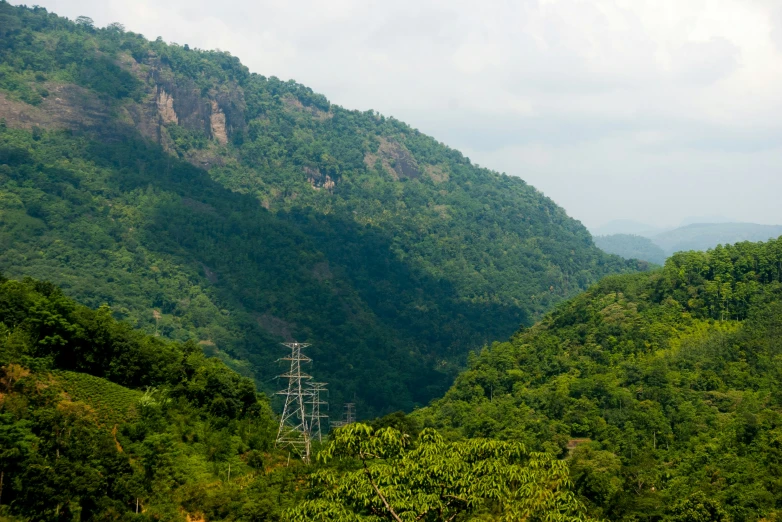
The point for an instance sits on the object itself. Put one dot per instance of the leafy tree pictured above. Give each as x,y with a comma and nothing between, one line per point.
698,508
395,479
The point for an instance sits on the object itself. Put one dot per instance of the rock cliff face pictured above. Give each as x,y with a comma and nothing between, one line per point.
165,107
217,124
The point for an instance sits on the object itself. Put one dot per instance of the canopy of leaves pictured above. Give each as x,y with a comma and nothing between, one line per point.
144,429
390,477
656,387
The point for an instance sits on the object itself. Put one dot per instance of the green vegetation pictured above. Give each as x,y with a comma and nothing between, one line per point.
392,479
152,430
630,246
660,389
202,214
112,404
204,202
142,424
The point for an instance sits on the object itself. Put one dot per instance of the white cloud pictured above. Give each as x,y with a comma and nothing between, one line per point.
646,109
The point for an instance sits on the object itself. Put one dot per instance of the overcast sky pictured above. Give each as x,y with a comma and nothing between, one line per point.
617,109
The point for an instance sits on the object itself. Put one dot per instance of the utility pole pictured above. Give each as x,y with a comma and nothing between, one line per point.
315,402
294,430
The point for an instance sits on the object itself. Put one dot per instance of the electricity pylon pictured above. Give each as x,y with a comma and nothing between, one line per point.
348,416
315,402
350,413
294,430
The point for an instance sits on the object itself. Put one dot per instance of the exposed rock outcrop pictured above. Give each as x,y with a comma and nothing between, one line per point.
395,159
217,124
318,180
165,107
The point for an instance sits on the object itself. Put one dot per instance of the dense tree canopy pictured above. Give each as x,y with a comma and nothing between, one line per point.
656,387
99,421
397,479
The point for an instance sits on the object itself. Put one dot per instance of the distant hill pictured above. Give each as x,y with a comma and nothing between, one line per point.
630,246
626,226
703,236
712,218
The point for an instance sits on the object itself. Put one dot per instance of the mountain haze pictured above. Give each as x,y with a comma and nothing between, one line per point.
630,246
202,201
702,236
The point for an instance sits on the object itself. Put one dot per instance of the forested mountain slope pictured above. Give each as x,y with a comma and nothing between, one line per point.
203,201
101,422
661,389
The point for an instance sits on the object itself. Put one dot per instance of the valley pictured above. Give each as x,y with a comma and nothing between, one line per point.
225,298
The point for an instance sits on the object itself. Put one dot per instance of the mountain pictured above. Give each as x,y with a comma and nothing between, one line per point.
712,218
202,201
630,246
702,236
626,226
660,389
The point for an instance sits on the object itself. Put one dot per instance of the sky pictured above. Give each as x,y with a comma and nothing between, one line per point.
648,110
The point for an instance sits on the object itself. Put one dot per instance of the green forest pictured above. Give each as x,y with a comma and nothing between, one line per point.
659,389
204,202
169,218
102,422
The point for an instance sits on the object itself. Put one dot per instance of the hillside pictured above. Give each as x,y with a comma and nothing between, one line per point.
202,201
101,422
660,389
702,236
98,421
630,246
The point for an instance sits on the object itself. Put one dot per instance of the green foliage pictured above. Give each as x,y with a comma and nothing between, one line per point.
395,479
81,446
391,253
698,508
113,404
655,387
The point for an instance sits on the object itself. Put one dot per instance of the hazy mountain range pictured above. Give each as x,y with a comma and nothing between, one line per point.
635,240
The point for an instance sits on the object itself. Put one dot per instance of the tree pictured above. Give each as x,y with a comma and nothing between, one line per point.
394,478
698,508
16,441
85,21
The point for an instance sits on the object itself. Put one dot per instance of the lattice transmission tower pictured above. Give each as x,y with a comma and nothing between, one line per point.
294,430
315,402
348,416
